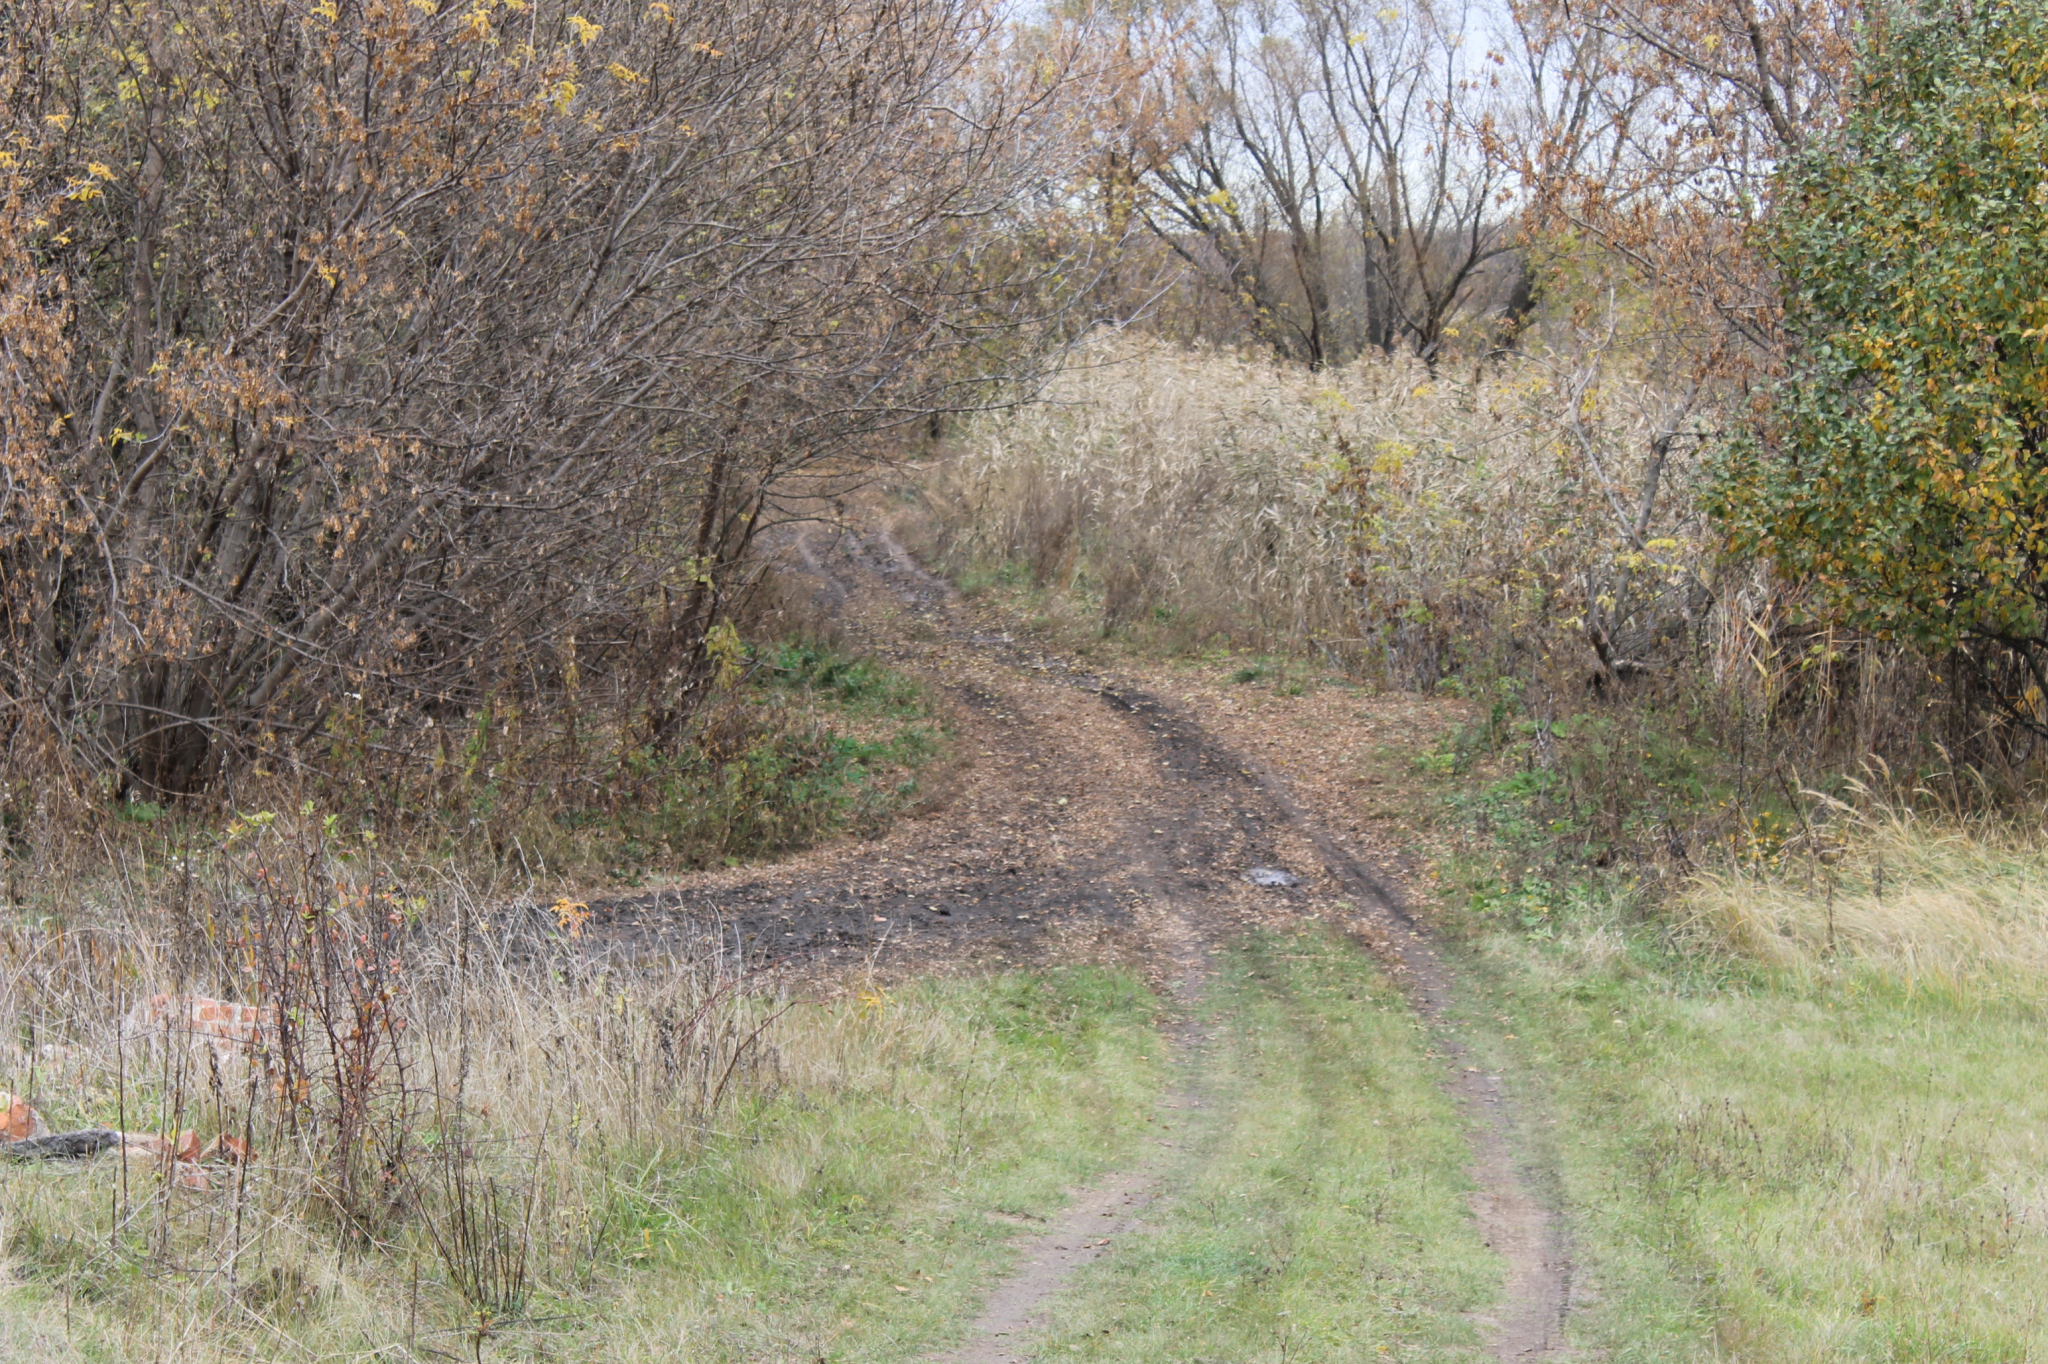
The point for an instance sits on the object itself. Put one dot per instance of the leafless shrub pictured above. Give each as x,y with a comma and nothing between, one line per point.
482,1232
328,954
1127,591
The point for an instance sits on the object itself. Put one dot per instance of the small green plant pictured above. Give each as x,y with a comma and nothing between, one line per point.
1529,901
858,683
139,811
979,581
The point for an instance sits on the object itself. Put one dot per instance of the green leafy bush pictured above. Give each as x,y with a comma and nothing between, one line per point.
1899,469
814,743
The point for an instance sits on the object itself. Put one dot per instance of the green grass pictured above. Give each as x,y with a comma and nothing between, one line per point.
1777,1164
854,1212
898,1184
814,744
1795,1117
860,686
1315,1206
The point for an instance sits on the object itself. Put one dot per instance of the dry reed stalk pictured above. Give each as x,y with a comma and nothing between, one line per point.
345,1100
593,1084
1533,529
1394,519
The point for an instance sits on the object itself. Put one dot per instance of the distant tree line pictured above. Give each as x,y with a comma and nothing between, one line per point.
377,365
1350,176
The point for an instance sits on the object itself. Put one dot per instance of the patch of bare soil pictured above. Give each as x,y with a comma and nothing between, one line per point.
1111,817
1016,1308
1078,807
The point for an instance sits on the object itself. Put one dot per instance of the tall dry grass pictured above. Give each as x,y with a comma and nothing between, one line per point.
1529,531
1926,893
1399,521
462,1126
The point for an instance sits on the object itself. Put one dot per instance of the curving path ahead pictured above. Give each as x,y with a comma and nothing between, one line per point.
1089,817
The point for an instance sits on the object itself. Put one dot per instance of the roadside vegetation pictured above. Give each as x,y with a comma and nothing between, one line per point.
806,743
1795,1120
630,1168
798,742
467,1133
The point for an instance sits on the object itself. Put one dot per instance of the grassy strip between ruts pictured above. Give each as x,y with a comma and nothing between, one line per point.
1779,1163
857,1220
1314,1208
1796,1110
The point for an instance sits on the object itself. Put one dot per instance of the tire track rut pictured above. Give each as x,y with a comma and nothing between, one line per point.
1092,815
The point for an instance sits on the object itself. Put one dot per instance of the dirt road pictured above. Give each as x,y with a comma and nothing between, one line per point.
1091,817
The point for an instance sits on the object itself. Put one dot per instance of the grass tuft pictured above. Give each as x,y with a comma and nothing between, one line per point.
1943,902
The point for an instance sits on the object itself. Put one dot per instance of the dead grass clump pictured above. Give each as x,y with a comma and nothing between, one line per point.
1950,899
451,1124
424,1085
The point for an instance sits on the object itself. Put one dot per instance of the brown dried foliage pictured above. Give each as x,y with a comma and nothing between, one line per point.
1660,133
369,360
